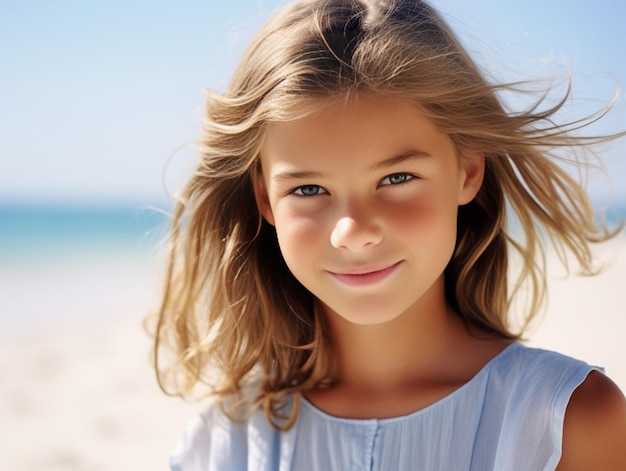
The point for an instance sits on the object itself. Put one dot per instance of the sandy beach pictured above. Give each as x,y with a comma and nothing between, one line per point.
77,391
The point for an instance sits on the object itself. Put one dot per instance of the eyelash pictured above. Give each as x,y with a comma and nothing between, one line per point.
302,195
406,177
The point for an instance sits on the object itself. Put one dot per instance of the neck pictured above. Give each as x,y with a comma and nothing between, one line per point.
399,352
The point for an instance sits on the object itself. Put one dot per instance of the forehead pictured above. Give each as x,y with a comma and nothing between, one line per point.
352,124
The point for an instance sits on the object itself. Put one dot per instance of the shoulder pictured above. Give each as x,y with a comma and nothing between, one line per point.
215,440
194,443
594,429
210,437
529,370
540,392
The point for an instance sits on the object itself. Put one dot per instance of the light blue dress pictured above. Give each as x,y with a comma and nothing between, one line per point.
509,417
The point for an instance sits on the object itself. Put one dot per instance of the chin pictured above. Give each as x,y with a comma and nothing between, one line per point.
363,315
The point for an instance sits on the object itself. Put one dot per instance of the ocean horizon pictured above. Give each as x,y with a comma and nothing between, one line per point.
39,231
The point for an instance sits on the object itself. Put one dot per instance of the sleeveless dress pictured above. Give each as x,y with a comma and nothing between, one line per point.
509,417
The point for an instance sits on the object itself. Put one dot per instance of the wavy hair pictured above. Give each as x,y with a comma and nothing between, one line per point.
232,313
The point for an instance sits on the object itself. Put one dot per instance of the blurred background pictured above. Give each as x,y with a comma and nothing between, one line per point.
99,102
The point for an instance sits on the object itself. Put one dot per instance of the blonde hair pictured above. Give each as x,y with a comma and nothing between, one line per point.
231,305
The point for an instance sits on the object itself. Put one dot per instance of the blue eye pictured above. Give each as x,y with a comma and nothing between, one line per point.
397,179
309,190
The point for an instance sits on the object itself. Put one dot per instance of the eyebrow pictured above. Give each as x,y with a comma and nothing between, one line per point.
390,162
400,158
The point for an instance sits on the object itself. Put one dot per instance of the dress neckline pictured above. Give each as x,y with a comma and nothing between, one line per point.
506,351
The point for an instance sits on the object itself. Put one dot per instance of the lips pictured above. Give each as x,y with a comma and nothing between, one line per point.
365,276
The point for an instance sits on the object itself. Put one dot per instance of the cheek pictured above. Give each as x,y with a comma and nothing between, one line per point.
429,218
297,236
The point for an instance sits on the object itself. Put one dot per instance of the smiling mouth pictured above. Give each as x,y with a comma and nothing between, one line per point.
365,277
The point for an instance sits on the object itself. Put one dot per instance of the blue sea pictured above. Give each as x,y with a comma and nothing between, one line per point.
68,262
38,233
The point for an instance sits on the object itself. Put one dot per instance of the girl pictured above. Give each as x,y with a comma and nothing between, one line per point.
340,270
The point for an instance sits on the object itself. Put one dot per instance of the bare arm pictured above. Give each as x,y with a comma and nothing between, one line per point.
594,432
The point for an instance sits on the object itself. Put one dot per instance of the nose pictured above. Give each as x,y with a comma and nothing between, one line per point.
355,233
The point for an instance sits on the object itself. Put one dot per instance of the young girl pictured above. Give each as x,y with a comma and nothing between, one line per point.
340,273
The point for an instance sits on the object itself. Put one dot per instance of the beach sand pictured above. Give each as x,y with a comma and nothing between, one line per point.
77,391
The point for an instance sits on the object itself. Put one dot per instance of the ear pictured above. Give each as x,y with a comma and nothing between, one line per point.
260,195
472,174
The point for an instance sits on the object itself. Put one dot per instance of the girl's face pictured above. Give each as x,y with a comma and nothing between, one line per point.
364,195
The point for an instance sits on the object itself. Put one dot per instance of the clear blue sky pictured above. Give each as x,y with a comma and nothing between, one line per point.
96,96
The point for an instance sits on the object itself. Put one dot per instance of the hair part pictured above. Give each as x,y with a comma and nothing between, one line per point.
232,312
